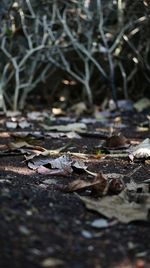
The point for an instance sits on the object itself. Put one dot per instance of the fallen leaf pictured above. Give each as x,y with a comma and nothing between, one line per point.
99,185
142,104
119,207
141,150
19,145
62,165
54,171
134,187
27,147
79,165
37,116
26,134
69,135
123,105
116,185
58,163
66,128
116,142
24,124
11,125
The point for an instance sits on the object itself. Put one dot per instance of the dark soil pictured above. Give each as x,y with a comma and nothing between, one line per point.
39,221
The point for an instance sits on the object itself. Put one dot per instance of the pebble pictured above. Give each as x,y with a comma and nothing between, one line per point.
100,223
86,234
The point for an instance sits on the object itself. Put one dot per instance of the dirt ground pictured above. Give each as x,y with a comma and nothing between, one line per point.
42,226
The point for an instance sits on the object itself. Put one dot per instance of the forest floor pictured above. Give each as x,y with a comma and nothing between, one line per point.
41,225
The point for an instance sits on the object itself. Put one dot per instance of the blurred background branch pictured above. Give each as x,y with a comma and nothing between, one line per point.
85,50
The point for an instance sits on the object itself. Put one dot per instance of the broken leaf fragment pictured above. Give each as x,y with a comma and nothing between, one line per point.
141,150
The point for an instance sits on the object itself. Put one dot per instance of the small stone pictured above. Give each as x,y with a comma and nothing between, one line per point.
86,234
24,230
90,248
51,262
99,223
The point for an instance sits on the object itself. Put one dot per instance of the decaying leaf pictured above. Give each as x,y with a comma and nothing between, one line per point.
62,165
116,142
58,163
141,150
119,207
116,185
98,185
66,128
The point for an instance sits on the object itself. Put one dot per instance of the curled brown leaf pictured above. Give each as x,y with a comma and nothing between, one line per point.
99,185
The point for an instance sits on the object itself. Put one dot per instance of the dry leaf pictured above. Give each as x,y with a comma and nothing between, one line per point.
26,134
116,186
59,172
62,165
58,163
28,147
66,128
119,207
98,185
116,142
69,135
123,105
142,150
10,124
24,124
18,145
142,104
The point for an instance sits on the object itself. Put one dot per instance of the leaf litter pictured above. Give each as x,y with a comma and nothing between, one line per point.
125,203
